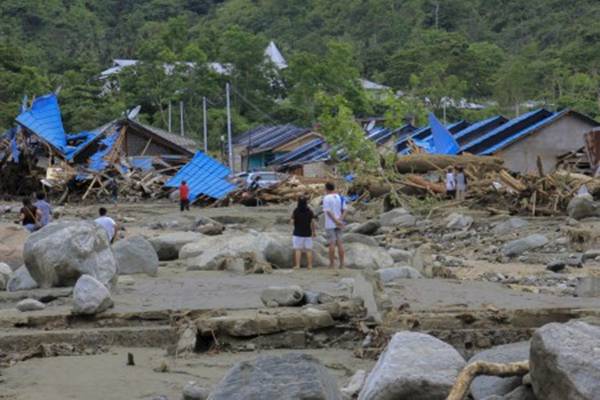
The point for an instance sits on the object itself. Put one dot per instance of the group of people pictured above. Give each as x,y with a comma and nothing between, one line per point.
305,228
34,216
456,183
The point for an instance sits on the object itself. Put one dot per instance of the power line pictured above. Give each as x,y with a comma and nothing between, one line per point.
254,106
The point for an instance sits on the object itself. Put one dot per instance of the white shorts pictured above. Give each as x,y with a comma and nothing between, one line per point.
302,243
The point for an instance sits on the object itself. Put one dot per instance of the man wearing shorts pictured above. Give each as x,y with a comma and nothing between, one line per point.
334,210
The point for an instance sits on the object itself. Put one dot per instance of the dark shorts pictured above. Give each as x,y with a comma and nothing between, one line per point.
334,235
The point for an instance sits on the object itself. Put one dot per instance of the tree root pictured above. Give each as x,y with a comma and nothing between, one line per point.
463,382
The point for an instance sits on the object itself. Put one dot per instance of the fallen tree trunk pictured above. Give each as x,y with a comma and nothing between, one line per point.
422,163
463,381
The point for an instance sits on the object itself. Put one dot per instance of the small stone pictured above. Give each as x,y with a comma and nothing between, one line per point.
125,280
21,280
90,296
355,385
5,273
193,391
519,246
391,274
556,266
30,305
282,296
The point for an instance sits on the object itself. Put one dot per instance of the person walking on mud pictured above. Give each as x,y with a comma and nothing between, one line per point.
461,184
305,229
184,196
334,209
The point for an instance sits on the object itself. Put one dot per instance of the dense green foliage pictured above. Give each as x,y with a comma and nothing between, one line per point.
501,51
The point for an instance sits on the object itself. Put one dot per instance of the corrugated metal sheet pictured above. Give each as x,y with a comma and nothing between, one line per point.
97,162
424,134
478,129
512,127
43,119
185,143
267,137
205,176
443,141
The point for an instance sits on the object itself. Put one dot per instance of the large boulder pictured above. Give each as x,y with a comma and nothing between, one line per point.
519,246
564,361
414,366
135,255
401,256
359,238
193,391
21,279
388,275
30,305
5,273
59,253
582,207
361,256
367,228
168,246
12,238
398,217
288,377
208,226
279,252
90,296
484,386
510,225
282,296
458,221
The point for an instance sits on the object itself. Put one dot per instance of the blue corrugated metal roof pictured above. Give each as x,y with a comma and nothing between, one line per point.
205,176
299,152
533,116
442,139
424,134
43,119
267,137
97,162
521,133
481,125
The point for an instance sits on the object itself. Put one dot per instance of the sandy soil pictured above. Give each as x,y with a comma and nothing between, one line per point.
106,376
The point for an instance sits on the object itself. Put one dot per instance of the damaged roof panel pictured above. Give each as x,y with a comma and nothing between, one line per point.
43,119
205,176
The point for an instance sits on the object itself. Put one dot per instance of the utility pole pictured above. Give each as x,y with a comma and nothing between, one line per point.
205,123
229,148
181,118
170,117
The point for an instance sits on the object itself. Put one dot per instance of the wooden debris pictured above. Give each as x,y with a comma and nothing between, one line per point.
422,162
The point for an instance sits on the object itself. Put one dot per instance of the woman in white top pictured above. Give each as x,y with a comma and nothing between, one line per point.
450,183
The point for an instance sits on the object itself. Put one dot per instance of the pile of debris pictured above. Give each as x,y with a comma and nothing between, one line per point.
286,191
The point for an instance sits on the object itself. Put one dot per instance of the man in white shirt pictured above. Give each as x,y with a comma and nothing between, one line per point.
334,209
107,223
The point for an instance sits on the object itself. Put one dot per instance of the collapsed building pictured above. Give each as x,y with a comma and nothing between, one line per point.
39,155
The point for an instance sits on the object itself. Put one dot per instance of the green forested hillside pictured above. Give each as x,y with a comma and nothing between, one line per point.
507,51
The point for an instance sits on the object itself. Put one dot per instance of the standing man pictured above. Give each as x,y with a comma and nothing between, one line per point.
44,207
450,183
334,209
184,196
107,223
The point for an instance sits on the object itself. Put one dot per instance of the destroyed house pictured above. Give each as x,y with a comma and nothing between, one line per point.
256,148
425,134
540,133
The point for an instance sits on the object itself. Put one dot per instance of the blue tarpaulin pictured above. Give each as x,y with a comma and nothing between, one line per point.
97,162
443,141
205,176
143,163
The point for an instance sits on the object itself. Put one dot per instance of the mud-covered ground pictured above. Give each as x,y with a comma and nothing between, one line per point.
472,274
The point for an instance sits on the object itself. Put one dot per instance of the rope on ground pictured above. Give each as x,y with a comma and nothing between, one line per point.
463,382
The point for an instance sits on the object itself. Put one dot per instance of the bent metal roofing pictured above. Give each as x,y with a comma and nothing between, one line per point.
267,137
205,176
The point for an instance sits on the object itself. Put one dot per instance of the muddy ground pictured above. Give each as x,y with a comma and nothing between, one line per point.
475,281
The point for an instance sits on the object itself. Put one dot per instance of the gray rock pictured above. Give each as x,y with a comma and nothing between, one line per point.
484,386
167,246
30,305
583,207
398,217
401,256
355,385
459,221
564,361
5,273
556,266
521,393
21,280
193,391
361,256
591,255
59,253
391,274
367,228
368,287
90,296
414,366
519,246
287,377
282,296
135,255
509,226
208,226
588,286
359,238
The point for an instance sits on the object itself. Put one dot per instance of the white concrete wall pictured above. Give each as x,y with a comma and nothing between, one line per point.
559,138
